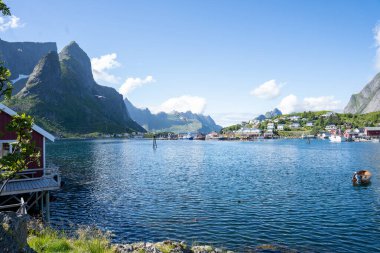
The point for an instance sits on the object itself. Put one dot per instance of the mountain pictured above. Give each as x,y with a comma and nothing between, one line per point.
173,122
367,100
64,98
21,57
268,115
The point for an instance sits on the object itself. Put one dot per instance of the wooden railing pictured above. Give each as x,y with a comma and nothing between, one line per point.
34,174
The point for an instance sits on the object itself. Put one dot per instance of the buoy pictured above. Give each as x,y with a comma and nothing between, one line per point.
361,177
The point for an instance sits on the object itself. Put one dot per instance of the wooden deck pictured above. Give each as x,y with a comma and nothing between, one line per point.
28,186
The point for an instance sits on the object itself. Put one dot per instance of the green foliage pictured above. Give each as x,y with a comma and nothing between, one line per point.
23,150
231,128
86,240
5,84
4,9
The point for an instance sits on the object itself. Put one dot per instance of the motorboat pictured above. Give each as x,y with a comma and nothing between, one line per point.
361,177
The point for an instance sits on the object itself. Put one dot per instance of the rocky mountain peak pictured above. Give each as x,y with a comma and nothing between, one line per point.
77,63
46,74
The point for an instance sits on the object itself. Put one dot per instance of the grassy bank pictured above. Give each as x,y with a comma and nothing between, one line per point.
84,240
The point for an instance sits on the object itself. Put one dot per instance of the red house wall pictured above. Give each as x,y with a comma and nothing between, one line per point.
373,132
37,138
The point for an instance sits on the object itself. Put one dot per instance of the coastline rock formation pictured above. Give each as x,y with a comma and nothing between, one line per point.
64,98
367,100
172,122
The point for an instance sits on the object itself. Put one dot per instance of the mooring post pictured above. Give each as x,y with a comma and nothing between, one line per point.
47,202
42,206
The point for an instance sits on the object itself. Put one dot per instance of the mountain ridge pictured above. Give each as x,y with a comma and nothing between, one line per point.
367,100
64,98
172,122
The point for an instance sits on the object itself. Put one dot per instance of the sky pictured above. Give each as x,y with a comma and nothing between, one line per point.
229,59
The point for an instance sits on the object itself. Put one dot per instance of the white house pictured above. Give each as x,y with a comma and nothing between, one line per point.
309,124
295,125
294,118
270,126
330,127
280,127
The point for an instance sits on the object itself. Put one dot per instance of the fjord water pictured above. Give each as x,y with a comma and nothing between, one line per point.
229,194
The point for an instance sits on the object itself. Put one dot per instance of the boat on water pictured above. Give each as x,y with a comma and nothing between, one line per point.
337,137
375,140
188,136
361,177
200,137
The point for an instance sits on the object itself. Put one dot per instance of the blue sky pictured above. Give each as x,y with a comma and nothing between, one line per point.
229,59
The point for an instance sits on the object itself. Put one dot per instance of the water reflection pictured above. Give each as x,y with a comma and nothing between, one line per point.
231,194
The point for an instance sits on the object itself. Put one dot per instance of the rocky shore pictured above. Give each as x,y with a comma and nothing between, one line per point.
16,231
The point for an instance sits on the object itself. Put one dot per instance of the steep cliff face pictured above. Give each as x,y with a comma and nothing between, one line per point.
64,98
21,57
367,100
176,122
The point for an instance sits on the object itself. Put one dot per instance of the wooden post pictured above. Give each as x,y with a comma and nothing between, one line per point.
42,206
37,204
47,202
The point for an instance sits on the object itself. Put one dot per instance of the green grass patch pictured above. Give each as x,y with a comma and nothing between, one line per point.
86,240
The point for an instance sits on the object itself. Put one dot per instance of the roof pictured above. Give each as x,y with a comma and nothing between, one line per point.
36,128
27,186
373,128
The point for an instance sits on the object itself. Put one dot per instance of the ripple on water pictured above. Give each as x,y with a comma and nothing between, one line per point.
230,194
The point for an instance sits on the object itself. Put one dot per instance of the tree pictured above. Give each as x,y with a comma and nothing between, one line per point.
23,150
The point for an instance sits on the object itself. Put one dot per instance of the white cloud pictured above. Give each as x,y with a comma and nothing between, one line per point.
10,22
321,103
377,44
132,83
291,104
101,65
232,118
268,90
182,104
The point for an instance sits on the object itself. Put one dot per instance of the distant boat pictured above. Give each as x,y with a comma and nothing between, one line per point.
337,137
200,137
188,137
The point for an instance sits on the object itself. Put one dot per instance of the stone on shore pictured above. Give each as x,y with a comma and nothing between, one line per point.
14,233
165,247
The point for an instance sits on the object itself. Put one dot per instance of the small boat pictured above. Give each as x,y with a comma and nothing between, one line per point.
336,138
361,177
200,137
188,137
375,140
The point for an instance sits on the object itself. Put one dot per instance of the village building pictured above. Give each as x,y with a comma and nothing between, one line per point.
309,124
34,184
280,127
373,132
330,128
295,125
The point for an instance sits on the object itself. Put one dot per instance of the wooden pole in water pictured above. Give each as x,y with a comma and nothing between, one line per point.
154,142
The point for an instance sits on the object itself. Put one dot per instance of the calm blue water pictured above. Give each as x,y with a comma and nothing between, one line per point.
232,194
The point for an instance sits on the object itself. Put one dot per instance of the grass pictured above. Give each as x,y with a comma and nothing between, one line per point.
166,248
86,240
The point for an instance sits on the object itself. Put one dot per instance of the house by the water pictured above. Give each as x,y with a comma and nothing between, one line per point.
34,184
